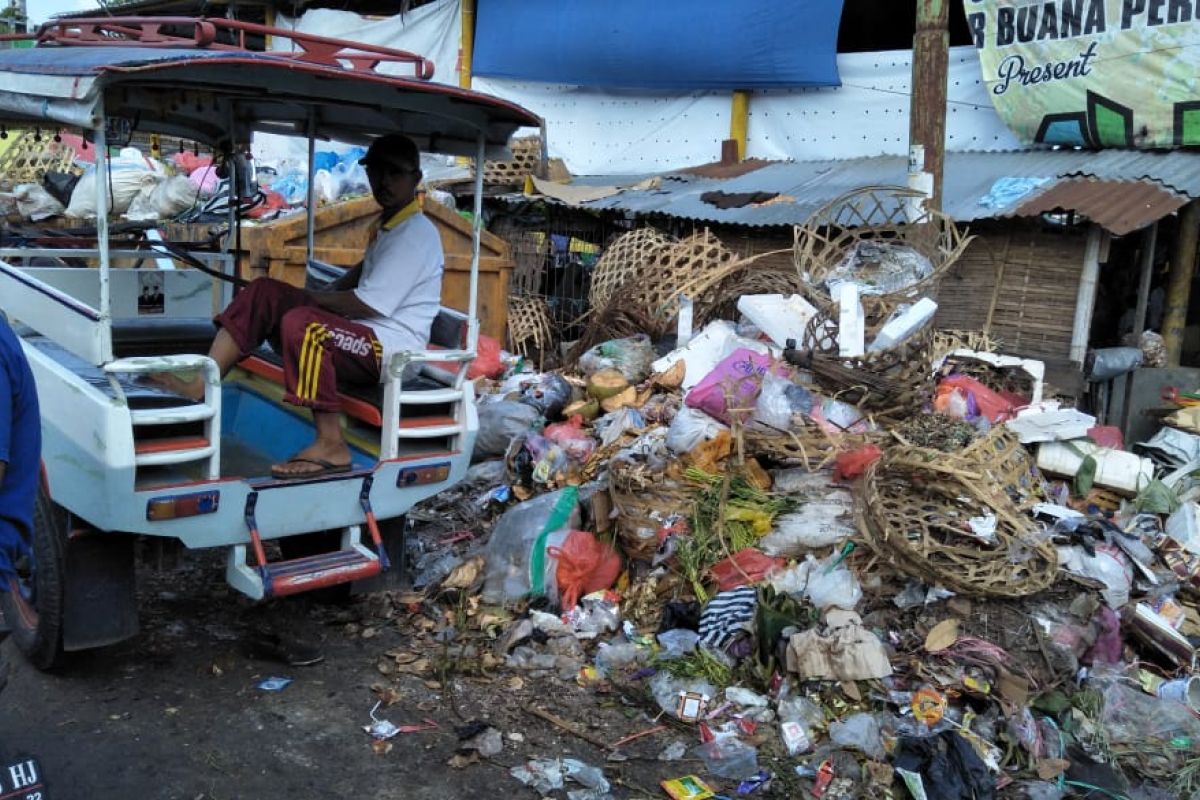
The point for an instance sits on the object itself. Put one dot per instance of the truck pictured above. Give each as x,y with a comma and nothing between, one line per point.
100,307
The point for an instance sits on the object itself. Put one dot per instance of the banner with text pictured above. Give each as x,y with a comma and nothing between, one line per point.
1094,73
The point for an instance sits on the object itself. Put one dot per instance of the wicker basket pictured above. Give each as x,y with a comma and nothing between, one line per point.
912,508
906,370
624,262
806,445
873,213
530,331
527,155
643,501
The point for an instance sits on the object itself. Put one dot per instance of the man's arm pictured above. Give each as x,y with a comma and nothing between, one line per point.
347,280
344,303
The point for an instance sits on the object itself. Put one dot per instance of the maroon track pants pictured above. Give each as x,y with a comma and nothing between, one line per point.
318,346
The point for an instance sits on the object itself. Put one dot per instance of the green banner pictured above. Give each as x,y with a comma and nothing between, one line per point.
1092,73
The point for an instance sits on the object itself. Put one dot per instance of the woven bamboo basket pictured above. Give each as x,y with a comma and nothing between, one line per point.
906,368
530,331
874,213
527,155
644,500
805,445
912,509
623,262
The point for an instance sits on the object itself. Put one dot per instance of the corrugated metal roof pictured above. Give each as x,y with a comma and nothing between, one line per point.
969,177
1119,207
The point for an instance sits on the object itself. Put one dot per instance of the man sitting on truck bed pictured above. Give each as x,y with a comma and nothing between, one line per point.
348,330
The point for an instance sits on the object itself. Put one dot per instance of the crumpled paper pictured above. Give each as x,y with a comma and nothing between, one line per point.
845,651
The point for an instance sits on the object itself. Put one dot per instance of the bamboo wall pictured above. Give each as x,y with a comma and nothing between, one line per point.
1018,281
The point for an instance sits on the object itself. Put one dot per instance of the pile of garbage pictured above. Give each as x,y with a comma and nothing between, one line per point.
887,557
187,186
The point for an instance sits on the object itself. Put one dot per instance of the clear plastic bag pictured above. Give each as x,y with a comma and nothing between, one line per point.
517,563
860,732
780,401
690,428
729,758
829,588
632,357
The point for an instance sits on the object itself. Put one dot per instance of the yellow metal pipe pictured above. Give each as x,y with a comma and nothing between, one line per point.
466,48
739,120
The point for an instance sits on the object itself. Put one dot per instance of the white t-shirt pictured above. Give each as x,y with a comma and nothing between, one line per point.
402,280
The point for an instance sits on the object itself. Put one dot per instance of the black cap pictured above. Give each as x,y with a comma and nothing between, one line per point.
393,150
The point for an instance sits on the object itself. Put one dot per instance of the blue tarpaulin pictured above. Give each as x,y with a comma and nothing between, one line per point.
664,44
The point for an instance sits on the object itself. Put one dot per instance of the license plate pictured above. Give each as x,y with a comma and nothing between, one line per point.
22,780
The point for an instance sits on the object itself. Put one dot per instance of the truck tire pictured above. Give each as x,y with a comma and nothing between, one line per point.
33,603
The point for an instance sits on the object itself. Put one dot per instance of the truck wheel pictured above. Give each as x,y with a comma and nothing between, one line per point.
33,603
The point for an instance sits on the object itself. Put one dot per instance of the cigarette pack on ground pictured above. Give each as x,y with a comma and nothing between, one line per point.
689,787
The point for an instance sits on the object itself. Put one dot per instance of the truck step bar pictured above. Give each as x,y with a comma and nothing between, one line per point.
353,561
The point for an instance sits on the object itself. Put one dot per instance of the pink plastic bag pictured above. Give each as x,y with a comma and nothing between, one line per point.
572,438
733,383
992,405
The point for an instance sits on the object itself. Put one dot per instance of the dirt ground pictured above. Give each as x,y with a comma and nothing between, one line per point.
175,713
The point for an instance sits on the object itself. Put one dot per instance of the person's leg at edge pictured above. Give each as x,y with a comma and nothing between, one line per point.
250,319
318,347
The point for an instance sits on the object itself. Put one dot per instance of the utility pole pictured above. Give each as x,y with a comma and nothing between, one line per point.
927,114
1179,285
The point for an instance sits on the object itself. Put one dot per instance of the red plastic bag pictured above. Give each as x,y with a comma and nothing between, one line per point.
853,464
585,565
1107,436
572,438
748,565
989,404
487,363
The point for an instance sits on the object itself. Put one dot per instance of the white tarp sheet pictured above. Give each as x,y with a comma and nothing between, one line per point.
621,132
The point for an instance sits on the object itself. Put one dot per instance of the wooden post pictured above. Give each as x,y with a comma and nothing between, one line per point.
466,49
1149,242
927,114
1085,299
1179,285
739,120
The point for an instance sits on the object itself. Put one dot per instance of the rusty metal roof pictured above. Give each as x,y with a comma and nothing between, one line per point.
1117,188
1119,207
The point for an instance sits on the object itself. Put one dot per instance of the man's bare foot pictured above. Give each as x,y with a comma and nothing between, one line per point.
319,458
192,388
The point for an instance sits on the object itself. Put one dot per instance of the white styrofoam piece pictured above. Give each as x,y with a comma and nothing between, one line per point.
1041,424
904,325
1115,469
851,321
1031,366
779,317
705,351
1184,527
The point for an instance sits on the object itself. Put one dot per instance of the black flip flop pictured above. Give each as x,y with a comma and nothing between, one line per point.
285,650
326,468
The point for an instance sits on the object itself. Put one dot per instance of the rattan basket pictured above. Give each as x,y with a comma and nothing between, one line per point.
644,500
873,213
912,509
623,262
806,444
530,331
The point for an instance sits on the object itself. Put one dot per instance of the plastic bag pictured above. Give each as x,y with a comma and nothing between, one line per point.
991,405
35,203
632,357
849,466
585,565
141,208
729,758
487,363
734,383
547,393
746,566
780,401
572,438
677,642
350,179
1112,362
691,428
818,524
173,196
833,588
206,180
860,732
499,423
125,184
517,563
666,690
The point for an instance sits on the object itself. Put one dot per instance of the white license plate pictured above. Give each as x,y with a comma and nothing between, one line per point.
22,780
